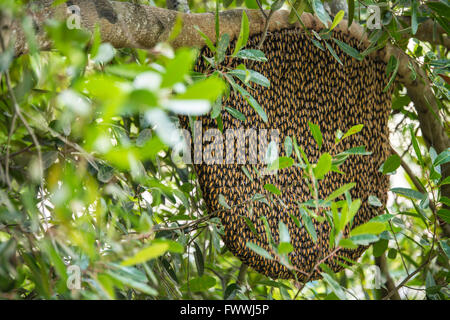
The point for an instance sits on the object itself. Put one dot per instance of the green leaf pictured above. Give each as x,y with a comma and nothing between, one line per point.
353,130
409,193
318,44
285,162
288,146
208,41
337,19
247,173
297,8
347,243
391,164
380,247
364,239
235,113
250,75
207,89
321,12
308,223
255,105
351,11
374,201
178,67
199,260
340,191
392,253
414,23
133,283
383,218
262,252
251,226
392,62
285,248
370,227
442,158
349,50
252,54
323,166
296,221
243,34
317,135
445,200
199,284
416,146
271,188
173,245
333,53
361,150
400,102
445,247
6,58
284,232
276,5
335,286
440,8
151,252
445,181
222,47
352,210
444,214
223,202
444,23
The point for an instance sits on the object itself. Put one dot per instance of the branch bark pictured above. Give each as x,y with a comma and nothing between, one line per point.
390,285
125,24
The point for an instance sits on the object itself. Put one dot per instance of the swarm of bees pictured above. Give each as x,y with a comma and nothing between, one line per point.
307,84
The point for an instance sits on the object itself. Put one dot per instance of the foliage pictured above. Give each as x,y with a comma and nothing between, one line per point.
89,183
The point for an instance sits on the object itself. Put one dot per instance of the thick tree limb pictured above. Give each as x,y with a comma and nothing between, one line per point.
125,24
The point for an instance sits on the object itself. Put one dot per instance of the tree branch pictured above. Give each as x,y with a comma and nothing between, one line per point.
125,24
242,272
390,285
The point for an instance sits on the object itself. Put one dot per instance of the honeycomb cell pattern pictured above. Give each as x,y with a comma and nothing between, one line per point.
307,84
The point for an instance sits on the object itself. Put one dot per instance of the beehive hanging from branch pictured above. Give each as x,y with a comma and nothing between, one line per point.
307,84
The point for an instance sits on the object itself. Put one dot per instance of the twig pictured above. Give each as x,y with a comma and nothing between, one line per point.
266,27
24,121
413,177
242,272
314,269
412,274
90,158
398,248
431,255
261,8
157,228
8,143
